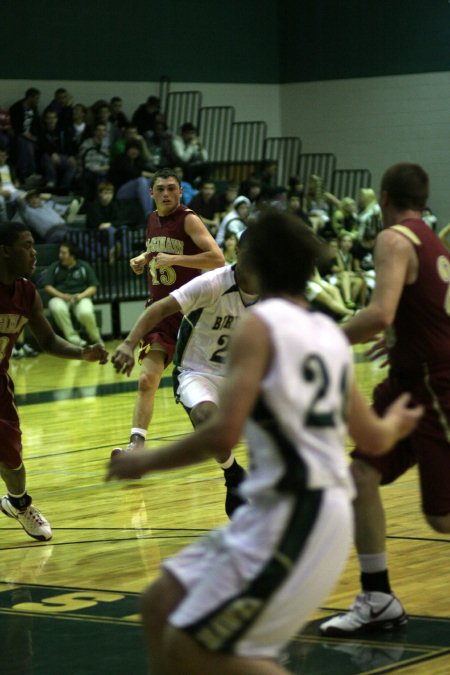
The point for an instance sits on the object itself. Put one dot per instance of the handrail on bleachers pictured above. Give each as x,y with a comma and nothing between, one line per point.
284,150
181,107
348,182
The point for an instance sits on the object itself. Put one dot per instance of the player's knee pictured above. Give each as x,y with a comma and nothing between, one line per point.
148,382
365,476
202,412
440,524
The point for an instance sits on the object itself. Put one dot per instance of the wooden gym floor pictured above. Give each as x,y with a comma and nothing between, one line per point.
70,605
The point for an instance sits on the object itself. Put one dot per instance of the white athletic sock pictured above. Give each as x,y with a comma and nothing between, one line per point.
372,562
228,463
141,432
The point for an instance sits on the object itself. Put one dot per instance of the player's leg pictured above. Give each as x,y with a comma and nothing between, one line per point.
152,368
376,606
199,395
17,502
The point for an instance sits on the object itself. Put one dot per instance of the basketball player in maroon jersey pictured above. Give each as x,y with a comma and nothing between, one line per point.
178,247
411,303
21,304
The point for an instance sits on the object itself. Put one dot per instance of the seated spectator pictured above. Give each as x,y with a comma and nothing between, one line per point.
145,115
326,297
229,248
6,132
131,133
78,130
345,217
369,214
235,220
57,155
104,217
189,153
350,284
266,175
49,220
117,116
93,161
226,198
188,190
9,191
317,205
206,205
130,177
62,105
72,283
363,260
293,205
103,116
430,219
25,123
159,146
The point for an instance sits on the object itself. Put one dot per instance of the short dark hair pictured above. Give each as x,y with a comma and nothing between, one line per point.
164,173
32,91
282,251
73,249
188,126
10,231
133,143
406,185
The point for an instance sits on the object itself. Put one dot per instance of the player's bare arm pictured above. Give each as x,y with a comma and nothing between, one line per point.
249,358
394,265
123,357
52,343
376,435
211,256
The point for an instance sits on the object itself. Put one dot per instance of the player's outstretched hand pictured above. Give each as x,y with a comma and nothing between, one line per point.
128,465
404,415
123,359
95,352
378,350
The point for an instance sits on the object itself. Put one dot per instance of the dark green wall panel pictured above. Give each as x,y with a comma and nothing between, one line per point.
257,41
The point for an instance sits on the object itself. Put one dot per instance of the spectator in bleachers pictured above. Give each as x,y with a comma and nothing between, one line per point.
117,116
325,296
317,205
345,217
188,190
266,174
206,205
9,191
369,214
294,206
144,116
6,132
159,146
226,198
342,275
235,220
103,116
62,105
25,123
72,283
131,133
48,220
188,152
57,155
363,260
430,219
93,161
253,190
131,178
78,130
230,246
105,220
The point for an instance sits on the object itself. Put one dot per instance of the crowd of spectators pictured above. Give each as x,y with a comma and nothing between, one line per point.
73,158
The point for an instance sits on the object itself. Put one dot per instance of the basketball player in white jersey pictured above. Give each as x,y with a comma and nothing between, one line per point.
229,602
212,305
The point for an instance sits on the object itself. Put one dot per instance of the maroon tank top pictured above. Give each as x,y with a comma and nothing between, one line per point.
15,310
166,234
421,330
